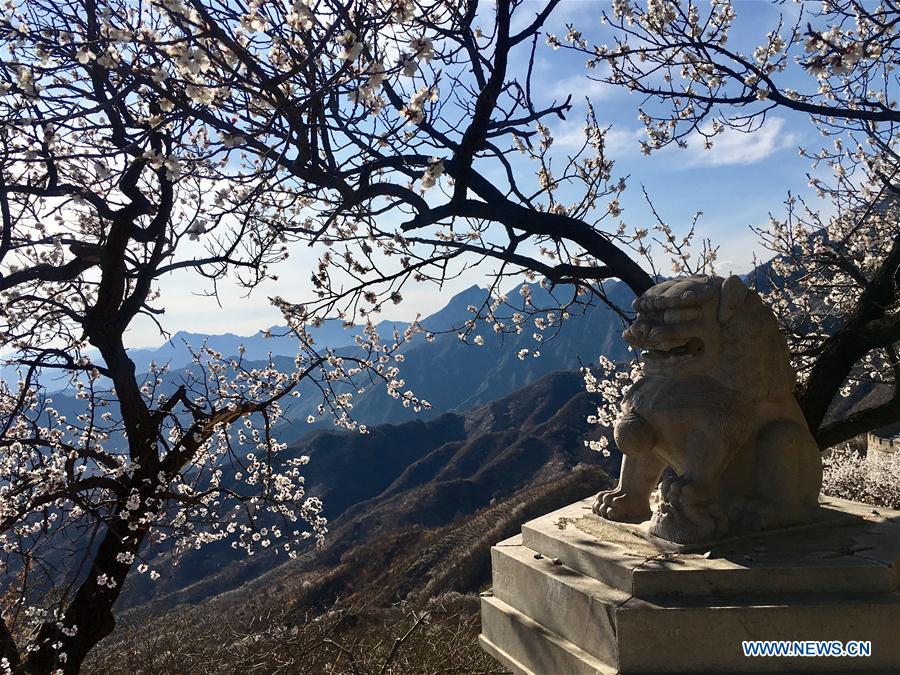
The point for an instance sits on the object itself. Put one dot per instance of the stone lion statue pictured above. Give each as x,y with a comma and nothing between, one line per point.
714,416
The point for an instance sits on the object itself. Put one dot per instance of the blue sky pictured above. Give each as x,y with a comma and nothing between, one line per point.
736,185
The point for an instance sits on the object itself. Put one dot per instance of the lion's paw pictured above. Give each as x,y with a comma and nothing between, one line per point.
680,491
619,505
683,526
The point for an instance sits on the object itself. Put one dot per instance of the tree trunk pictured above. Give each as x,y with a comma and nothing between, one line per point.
90,611
851,342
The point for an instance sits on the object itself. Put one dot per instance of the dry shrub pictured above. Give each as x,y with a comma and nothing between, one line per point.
851,475
437,636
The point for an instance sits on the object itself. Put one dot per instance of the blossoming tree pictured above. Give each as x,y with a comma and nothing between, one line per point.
834,281
370,121
102,192
210,136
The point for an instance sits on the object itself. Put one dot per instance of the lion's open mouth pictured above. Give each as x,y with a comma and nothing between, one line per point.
671,350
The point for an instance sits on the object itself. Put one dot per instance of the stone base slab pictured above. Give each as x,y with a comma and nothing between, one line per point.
578,594
534,649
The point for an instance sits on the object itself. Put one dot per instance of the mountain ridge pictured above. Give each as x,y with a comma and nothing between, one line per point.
418,476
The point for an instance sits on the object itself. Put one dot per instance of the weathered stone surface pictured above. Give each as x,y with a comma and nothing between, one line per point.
677,638
853,550
632,604
716,407
573,606
527,648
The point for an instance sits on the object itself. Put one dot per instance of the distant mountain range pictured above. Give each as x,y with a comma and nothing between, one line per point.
447,372
176,352
418,486
453,375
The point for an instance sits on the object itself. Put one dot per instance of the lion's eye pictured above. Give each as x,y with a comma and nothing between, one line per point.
682,315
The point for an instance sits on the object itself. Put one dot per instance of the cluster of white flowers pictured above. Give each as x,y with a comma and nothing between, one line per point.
351,46
414,111
254,21
302,16
171,165
367,94
432,173
829,264
834,52
658,15
545,179
612,381
422,48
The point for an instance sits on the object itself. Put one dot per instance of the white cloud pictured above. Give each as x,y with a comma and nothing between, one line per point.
620,140
737,246
733,147
569,135
623,141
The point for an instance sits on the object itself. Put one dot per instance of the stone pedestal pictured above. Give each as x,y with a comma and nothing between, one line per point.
575,593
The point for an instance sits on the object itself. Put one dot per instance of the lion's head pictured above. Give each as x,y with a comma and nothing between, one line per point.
710,325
